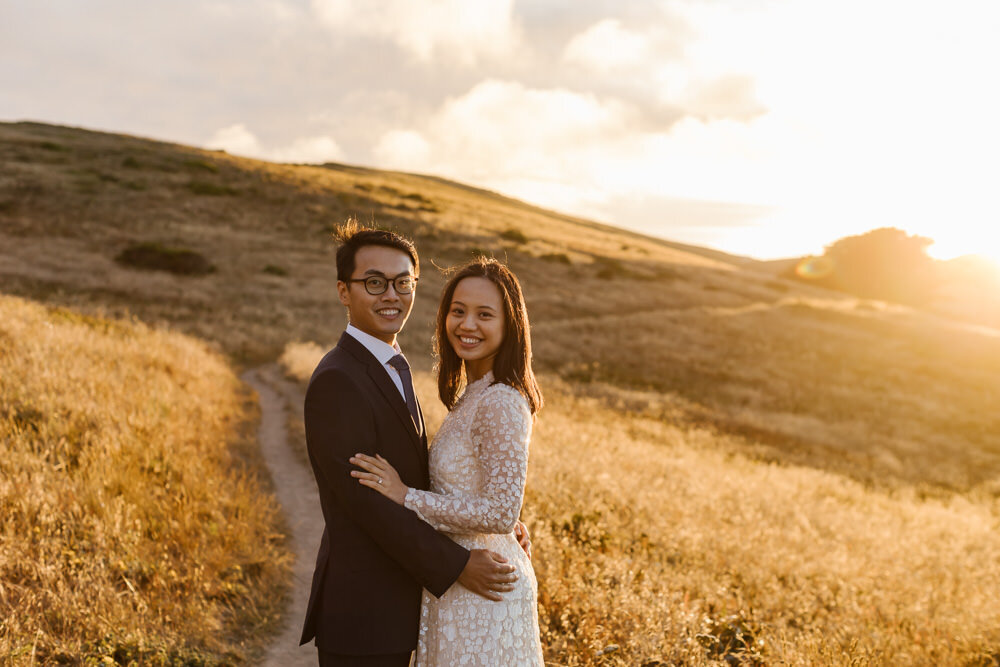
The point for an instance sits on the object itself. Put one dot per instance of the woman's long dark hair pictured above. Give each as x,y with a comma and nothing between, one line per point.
512,365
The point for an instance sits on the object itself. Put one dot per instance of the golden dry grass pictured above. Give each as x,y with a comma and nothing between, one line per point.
300,359
646,534
133,526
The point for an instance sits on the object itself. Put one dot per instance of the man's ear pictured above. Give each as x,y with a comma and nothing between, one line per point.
344,292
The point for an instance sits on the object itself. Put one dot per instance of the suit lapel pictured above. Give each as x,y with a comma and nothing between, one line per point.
420,414
391,395
386,387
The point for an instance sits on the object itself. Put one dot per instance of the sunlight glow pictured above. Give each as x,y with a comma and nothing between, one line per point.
885,120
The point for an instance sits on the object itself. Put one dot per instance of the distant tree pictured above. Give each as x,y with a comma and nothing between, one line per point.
886,264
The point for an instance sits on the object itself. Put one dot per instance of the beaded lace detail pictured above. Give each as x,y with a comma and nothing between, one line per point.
478,468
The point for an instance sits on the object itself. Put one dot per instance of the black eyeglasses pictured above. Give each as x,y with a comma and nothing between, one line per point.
376,285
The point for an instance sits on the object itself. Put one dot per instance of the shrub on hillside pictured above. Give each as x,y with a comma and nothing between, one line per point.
157,257
201,165
275,270
515,235
211,189
886,264
421,203
609,268
557,257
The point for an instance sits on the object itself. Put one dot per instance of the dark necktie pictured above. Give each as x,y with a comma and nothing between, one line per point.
399,363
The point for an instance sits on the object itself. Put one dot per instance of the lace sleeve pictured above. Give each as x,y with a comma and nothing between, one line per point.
500,431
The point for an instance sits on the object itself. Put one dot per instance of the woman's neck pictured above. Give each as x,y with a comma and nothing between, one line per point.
475,370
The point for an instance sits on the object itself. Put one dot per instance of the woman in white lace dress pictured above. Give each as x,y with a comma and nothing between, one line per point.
478,466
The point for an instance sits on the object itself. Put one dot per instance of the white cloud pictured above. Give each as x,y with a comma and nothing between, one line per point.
236,139
497,113
606,45
729,96
403,149
239,140
279,10
575,151
659,61
312,150
273,10
504,135
461,31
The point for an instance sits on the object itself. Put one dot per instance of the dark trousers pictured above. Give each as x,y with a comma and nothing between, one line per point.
327,659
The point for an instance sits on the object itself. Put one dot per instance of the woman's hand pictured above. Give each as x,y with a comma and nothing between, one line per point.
379,475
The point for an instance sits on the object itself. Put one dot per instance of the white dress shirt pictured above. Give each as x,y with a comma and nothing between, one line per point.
381,351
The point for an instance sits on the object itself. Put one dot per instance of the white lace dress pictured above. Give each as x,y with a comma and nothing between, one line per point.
478,464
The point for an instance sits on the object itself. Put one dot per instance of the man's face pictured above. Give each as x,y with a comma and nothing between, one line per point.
380,315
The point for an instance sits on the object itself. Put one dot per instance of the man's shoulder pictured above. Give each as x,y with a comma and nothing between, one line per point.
345,365
340,389
337,362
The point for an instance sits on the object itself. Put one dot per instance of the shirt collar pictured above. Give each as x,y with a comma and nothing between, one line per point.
379,348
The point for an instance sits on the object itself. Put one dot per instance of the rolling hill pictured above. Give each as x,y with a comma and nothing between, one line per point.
810,376
727,413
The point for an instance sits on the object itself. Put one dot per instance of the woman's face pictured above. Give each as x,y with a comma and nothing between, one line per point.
475,324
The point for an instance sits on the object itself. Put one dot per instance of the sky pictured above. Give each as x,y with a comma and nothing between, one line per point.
767,128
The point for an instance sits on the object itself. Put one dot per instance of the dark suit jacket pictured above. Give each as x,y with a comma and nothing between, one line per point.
375,555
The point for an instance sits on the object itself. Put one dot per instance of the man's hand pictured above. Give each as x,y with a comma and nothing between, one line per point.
487,574
521,533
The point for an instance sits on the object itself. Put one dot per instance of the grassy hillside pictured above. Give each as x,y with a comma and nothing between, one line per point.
132,528
802,375
718,441
72,201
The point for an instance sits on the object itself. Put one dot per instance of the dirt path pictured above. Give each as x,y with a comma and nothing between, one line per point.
296,491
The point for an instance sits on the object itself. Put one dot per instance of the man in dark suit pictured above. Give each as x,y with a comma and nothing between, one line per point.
375,555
